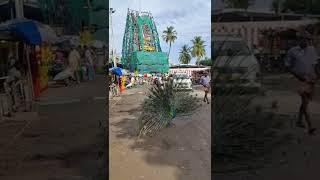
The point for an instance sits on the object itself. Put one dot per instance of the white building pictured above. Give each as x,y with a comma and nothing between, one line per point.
250,23
188,69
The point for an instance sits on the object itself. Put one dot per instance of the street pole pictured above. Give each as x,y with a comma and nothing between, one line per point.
111,11
19,8
279,6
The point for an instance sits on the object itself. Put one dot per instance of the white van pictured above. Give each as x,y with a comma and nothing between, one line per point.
181,81
234,63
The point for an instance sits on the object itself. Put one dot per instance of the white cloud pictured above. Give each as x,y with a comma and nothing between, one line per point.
190,18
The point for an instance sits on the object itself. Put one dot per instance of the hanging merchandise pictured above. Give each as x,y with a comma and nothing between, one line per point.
123,80
85,38
35,62
45,59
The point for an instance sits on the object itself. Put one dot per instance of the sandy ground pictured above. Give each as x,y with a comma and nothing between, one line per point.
62,141
294,160
180,153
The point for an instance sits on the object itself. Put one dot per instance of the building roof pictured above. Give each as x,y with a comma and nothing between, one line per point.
31,11
187,66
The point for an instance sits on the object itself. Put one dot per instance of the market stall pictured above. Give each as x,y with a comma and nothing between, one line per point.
34,39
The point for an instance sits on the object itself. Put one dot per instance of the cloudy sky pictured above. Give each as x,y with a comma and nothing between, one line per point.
189,17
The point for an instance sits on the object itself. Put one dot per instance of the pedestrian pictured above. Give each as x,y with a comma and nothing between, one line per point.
205,81
89,63
301,62
14,77
74,63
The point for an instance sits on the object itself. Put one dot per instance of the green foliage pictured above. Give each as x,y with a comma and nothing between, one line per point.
160,107
198,48
206,62
275,6
302,6
185,56
169,36
239,4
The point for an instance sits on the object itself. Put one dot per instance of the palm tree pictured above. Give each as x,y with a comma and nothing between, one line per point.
275,6
239,4
198,50
185,56
169,36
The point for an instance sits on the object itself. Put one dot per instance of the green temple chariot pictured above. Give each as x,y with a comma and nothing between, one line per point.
141,49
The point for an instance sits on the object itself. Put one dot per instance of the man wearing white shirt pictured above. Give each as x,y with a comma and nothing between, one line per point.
74,63
205,81
301,62
89,60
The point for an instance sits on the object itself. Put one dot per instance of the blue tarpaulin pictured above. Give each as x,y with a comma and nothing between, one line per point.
25,29
117,71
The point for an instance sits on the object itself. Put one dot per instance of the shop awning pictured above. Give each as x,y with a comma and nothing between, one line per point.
116,70
31,32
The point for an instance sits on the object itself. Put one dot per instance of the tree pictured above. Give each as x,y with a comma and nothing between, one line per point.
169,36
239,4
276,6
198,50
185,55
206,62
302,6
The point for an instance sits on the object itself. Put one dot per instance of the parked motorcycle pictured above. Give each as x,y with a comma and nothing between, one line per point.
55,69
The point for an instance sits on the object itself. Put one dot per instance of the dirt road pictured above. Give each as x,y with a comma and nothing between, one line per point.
298,158
180,153
62,142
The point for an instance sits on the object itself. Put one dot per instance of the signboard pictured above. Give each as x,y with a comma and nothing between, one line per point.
147,39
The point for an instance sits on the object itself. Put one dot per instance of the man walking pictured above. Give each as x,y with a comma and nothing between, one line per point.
205,81
301,62
74,63
89,60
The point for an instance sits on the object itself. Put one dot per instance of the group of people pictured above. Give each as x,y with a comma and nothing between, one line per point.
79,61
130,81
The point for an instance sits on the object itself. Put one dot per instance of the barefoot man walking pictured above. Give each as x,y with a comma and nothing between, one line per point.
205,81
301,62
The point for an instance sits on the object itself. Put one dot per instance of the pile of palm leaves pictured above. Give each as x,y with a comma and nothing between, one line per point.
161,106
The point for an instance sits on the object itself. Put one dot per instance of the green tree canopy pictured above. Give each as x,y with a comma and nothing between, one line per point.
275,6
169,36
185,55
239,4
198,48
302,6
206,62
